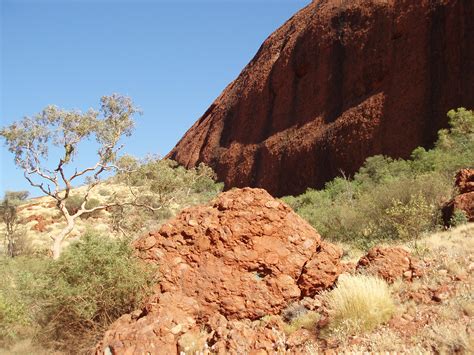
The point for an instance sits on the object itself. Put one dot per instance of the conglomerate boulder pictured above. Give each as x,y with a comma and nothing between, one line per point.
221,268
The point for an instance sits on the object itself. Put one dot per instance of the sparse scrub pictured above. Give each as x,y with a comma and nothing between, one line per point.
67,304
103,192
16,242
73,205
448,339
19,306
95,281
293,311
164,185
411,219
359,303
13,317
392,199
458,219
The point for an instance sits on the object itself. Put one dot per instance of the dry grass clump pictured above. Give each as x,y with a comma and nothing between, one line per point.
449,339
193,343
306,321
358,304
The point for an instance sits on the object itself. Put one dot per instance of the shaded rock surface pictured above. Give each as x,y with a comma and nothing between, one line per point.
338,82
222,267
465,200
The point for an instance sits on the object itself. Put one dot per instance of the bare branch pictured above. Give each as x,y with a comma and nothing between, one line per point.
77,174
40,186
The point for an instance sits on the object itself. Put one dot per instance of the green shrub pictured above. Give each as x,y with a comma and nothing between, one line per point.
392,199
13,317
358,304
458,218
19,304
104,192
95,281
164,185
74,202
410,220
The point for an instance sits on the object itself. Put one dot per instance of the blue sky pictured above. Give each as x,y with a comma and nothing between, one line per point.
172,57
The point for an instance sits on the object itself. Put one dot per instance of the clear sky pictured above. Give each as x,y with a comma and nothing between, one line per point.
172,57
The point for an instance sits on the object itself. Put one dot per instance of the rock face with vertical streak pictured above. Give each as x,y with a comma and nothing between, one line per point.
338,82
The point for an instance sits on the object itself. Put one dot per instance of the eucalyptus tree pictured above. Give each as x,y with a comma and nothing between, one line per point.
9,216
32,138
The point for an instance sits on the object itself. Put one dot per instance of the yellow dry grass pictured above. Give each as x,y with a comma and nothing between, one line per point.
306,321
358,304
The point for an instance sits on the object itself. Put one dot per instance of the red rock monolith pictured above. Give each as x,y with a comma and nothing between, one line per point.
338,82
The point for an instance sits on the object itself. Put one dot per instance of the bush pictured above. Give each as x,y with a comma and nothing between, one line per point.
73,204
13,317
410,220
458,218
358,304
104,192
164,185
95,281
19,305
392,199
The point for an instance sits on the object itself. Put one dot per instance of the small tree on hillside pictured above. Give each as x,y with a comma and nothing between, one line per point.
30,139
9,216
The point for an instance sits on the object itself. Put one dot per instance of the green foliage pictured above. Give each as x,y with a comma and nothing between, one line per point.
13,317
392,199
74,202
410,219
104,192
31,138
15,242
163,185
67,304
19,305
95,281
163,180
458,218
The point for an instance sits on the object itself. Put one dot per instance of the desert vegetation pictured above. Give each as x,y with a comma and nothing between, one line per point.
67,304
393,200
358,304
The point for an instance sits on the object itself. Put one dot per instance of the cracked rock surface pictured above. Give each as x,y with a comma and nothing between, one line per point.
222,266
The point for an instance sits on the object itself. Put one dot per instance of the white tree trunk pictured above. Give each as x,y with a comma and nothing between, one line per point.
59,239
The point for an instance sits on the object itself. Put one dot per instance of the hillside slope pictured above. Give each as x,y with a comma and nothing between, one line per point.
340,81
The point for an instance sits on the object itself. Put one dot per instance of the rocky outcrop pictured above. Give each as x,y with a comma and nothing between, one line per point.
42,222
465,200
340,81
390,264
221,268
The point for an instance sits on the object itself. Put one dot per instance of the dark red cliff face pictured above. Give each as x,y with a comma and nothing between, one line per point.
340,81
